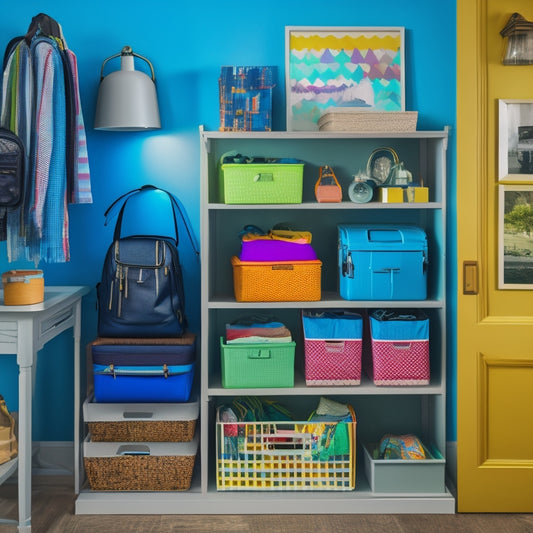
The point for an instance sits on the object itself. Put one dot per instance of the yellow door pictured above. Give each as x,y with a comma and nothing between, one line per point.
494,325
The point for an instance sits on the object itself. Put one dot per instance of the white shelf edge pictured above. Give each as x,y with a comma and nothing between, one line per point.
323,135
328,300
366,388
335,206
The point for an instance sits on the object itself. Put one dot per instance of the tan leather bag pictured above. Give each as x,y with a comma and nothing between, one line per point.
8,439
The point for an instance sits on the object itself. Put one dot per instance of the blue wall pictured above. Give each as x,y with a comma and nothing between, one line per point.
187,43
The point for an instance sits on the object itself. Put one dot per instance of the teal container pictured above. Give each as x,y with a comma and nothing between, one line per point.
406,475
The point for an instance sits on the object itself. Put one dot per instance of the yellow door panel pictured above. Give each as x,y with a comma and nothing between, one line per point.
506,385
494,327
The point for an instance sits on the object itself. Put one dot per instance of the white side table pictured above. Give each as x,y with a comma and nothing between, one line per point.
24,330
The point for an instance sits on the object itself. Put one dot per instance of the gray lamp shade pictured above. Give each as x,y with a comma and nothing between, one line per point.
127,98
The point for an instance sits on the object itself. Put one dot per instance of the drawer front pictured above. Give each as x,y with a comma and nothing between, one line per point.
8,336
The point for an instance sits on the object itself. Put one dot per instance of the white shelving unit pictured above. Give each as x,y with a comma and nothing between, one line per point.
379,410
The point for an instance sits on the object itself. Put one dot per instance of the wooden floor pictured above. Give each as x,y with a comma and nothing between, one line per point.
53,512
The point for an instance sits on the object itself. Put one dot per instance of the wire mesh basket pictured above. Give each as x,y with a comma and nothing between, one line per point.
286,455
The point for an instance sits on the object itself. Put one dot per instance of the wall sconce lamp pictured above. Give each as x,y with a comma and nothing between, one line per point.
127,98
518,33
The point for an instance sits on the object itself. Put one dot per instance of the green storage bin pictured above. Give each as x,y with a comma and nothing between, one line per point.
270,183
257,365
406,475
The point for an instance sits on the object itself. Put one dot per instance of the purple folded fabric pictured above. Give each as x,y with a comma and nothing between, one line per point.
276,250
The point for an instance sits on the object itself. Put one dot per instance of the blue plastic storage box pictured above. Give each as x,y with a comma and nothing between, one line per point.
382,262
142,372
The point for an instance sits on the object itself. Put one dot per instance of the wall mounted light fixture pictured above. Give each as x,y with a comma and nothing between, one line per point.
518,33
127,98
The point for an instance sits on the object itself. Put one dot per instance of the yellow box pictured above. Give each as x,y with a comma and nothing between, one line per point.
417,194
23,287
281,281
391,195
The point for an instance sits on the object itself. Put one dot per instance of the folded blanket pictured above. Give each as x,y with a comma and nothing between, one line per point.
257,332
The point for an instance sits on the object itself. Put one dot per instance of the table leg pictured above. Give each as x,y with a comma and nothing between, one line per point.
25,448
77,335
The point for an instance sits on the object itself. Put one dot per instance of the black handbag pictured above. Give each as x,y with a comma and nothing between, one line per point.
11,169
141,292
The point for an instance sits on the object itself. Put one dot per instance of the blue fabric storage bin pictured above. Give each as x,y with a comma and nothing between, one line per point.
382,262
132,370
399,340
332,325
399,325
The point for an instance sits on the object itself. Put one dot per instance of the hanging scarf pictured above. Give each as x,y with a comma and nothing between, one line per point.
81,191
49,157
41,103
17,104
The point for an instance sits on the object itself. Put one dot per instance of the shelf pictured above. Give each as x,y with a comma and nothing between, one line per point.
421,408
320,135
367,388
326,206
358,502
329,299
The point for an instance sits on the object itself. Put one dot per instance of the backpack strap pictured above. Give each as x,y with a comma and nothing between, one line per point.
177,207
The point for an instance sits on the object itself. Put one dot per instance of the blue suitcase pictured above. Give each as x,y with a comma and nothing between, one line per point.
133,370
382,262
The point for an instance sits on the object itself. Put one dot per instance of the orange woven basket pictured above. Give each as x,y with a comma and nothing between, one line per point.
23,287
282,281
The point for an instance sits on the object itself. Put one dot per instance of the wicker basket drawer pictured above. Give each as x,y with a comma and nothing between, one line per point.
141,422
149,466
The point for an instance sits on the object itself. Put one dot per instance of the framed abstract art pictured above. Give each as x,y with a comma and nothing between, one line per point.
333,67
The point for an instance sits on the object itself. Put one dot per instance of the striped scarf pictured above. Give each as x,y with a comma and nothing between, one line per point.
34,105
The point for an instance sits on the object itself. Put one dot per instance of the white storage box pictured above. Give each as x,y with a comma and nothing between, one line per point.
139,422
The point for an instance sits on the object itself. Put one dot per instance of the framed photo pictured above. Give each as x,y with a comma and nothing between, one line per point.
515,131
329,67
515,229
